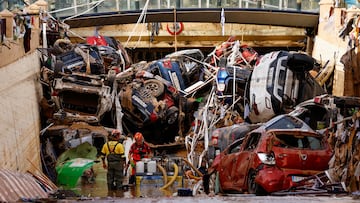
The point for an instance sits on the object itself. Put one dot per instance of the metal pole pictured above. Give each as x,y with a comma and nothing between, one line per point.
258,3
298,5
75,7
137,5
117,5
280,4
175,44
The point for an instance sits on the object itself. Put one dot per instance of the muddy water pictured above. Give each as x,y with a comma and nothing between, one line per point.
144,188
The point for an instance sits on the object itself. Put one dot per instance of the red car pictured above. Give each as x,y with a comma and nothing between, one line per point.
273,157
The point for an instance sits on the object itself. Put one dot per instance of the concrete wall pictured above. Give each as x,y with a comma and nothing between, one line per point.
19,114
328,45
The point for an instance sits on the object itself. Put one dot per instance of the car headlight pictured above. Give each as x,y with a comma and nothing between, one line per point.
267,158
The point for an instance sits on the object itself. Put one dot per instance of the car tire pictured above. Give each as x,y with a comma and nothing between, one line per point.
172,115
253,187
299,62
63,45
155,86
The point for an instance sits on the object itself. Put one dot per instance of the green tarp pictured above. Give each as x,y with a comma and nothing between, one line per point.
72,163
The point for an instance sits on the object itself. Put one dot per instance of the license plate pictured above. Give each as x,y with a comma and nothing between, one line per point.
297,178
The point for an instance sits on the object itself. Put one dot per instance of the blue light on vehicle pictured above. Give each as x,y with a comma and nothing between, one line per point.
220,77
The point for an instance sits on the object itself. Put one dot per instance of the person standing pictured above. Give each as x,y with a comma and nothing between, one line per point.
113,151
138,150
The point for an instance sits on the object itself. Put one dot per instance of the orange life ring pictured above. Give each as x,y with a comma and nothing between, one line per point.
175,29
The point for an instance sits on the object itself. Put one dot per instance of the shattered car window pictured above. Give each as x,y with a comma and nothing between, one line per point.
236,146
302,142
286,122
253,141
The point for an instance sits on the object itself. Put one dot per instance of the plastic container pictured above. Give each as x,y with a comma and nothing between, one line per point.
151,167
139,167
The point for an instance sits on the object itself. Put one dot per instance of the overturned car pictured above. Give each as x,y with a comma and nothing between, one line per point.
156,97
278,83
78,81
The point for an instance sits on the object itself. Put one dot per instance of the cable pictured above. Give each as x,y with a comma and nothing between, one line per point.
141,17
91,8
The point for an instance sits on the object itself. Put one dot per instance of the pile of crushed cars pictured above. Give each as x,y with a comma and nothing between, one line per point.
191,100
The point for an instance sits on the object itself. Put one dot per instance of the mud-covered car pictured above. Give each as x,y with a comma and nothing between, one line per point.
323,110
81,97
278,83
220,138
273,157
78,79
231,82
155,96
183,70
57,139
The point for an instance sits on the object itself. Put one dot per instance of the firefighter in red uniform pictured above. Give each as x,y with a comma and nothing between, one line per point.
138,150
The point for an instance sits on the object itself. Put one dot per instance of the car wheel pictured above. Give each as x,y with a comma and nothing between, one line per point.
63,45
253,187
172,115
300,62
154,86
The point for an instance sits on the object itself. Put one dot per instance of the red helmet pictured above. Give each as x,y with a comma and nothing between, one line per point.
138,137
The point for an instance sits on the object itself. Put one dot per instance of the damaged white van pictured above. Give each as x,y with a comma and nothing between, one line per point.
278,83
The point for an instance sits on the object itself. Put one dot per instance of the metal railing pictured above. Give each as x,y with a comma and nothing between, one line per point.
77,7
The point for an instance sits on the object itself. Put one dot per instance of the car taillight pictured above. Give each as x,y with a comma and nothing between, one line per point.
317,100
215,138
267,158
215,141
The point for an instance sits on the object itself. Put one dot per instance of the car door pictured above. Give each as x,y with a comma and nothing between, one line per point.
227,163
244,160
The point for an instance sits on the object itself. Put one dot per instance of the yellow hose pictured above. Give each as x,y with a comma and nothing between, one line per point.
176,171
163,171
